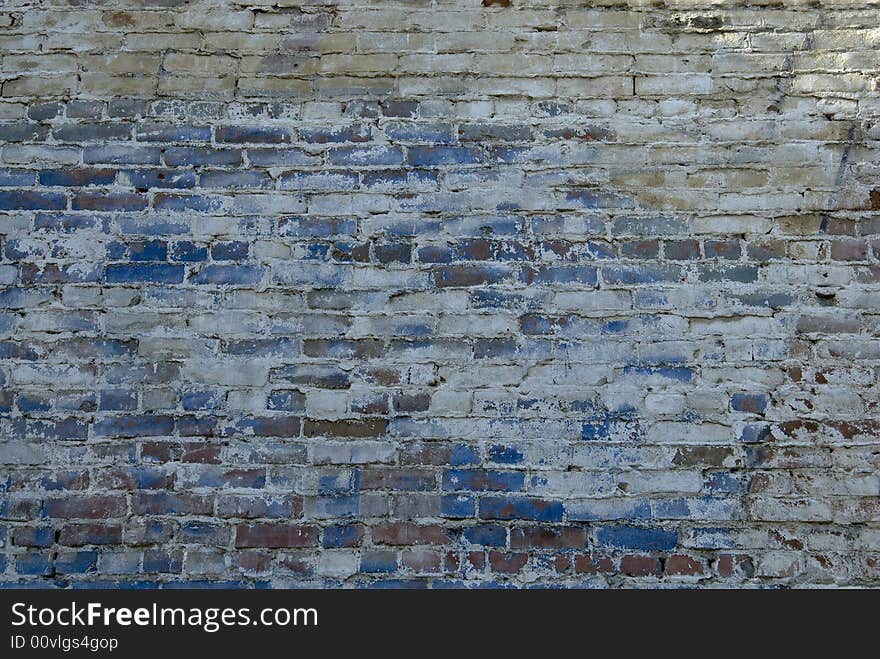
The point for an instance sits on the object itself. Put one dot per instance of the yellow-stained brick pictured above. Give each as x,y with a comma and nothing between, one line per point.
122,63
296,64
140,21
345,64
40,85
196,86
272,87
244,42
103,84
50,63
213,64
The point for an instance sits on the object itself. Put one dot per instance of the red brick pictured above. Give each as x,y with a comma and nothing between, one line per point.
507,563
681,565
640,566
407,533
275,535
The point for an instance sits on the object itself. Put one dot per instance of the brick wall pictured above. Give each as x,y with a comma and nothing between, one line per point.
437,293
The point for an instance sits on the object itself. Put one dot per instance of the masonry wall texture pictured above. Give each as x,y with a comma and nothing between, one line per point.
439,294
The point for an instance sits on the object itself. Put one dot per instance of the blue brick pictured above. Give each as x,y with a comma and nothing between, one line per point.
505,454
288,400
6,398
136,425
208,476
482,480
45,110
91,132
725,482
153,132
677,373
378,561
755,433
634,274
69,428
184,156
438,133
435,254
187,202
236,275
32,200
122,155
34,564
343,535
237,179
147,179
76,562
117,399
488,535
282,346
754,403
400,178
148,250
463,454
637,538
484,132
336,506
33,536
281,157
162,561
22,131
353,133
151,225
598,199
560,274
433,156
188,251
231,250
671,509
520,508
127,107
457,506
28,403
158,273
741,273
147,478
598,430
85,109
253,134
202,400
366,156
19,350
17,177
627,509
77,177
309,227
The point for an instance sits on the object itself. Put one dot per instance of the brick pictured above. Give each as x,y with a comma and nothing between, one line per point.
403,533
507,563
520,508
86,507
274,535
31,200
635,537
640,566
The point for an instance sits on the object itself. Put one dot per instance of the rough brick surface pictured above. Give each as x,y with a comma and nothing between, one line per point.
439,294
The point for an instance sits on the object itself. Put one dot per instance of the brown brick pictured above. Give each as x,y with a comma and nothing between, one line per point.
272,535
